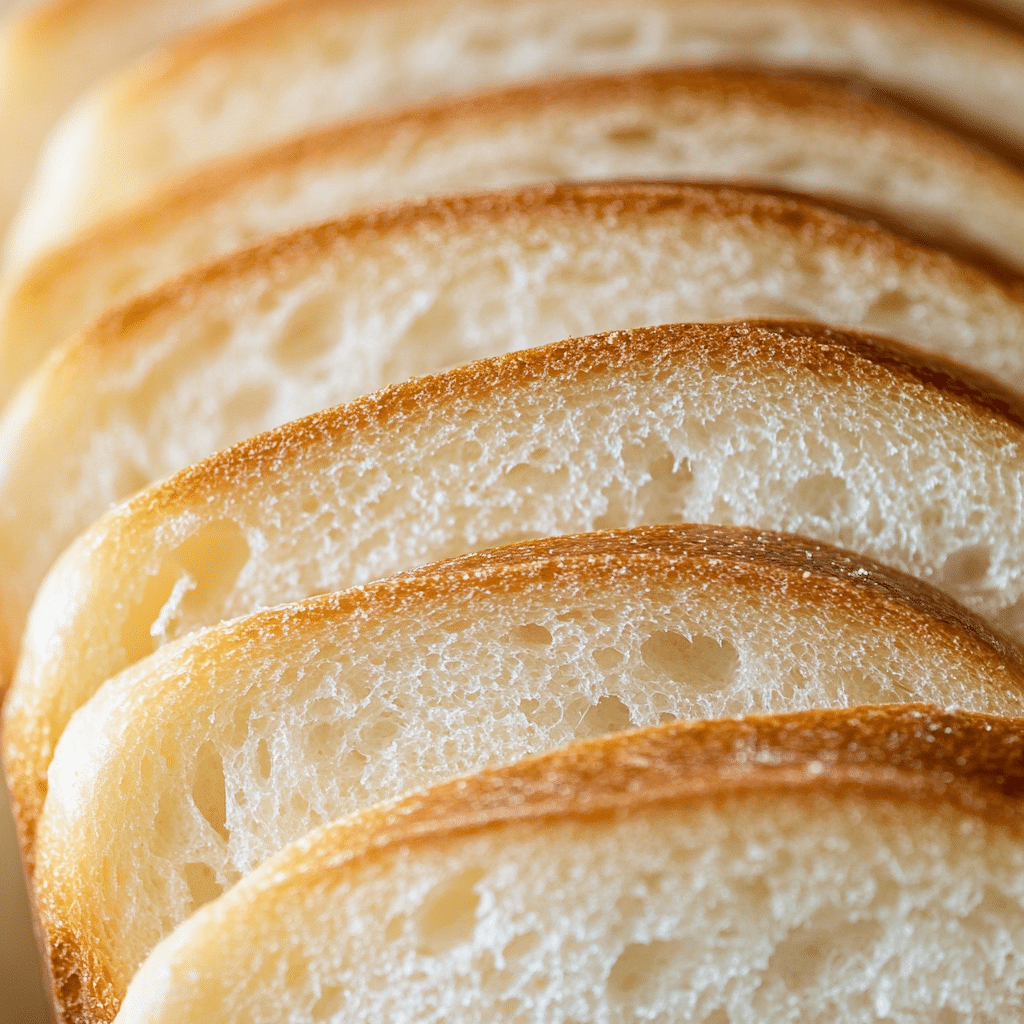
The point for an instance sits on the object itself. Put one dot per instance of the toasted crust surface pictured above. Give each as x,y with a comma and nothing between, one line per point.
317,317
244,671
220,524
964,769
279,70
796,133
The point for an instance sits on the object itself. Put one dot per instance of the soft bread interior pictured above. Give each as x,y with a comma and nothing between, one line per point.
294,65
778,426
336,311
801,894
186,772
783,132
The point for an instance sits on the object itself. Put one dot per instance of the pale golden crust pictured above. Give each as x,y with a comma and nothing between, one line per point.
882,368
789,215
912,752
830,353
759,562
810,98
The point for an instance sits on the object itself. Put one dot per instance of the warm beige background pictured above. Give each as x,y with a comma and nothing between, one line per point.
21,986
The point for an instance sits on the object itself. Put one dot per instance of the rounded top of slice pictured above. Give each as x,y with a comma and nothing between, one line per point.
270,724
784,426
290,66
733,807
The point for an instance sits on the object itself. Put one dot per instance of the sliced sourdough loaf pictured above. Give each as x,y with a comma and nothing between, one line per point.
789,427
332,312
791,133
189,770
295,64
51,51
822,866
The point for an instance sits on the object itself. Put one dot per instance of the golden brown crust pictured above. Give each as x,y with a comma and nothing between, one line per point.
819,98
832,354
912,752
793,216
743,558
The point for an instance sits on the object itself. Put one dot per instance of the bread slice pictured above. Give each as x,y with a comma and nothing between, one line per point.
189,770
791,133
296,64
53,50
336,311
780,426
824,866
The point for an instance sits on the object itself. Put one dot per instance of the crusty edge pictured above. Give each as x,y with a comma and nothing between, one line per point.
906,751
969,764
828,98
783,212
756,560
832,353
821,573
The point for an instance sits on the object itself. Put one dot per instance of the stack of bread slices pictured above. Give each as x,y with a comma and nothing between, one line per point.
513,510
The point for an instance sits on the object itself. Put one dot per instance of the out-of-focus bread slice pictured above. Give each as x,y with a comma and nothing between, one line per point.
781,426
299,63
821,866
189,770
333,312
807,135
51,51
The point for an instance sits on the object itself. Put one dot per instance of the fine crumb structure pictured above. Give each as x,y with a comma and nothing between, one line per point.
335,311
766,884
186,772
780,426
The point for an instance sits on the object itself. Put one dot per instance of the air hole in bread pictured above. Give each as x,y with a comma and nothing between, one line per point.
194,578
435,340
640,972
860,688
527,479
822,496
664,496
328,1004
804,958
532,635
263,759
608,715
966,568
310,331
704,664
529,706
485,40
522,945
202,884
629,136
208,792
447,916
608,658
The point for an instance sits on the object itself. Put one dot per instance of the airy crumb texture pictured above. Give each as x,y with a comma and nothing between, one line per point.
805,134
780,426
186,772
728,873
336,311
296,64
